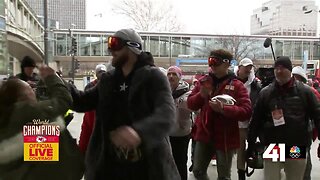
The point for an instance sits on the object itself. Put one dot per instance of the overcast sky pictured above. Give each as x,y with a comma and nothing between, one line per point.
196,16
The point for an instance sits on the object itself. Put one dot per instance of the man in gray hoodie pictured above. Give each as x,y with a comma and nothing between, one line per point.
180,136
245,73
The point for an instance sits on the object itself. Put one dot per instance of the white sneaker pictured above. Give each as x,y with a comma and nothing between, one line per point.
213,162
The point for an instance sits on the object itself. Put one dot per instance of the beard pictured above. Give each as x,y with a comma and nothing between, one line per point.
283,81
119,60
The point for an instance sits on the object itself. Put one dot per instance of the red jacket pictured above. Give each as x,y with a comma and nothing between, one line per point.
315,131
87,126
86,130
221,129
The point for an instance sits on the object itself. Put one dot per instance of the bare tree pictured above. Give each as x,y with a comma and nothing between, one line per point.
149,15
241,47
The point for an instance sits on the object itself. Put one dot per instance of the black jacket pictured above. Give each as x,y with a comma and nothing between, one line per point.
255,90
152,111
299,104
35,78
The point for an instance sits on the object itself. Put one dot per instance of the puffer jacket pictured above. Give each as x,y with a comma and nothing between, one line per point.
217,128
298,103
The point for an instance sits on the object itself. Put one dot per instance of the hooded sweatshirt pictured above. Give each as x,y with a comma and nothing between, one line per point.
183,123
247,85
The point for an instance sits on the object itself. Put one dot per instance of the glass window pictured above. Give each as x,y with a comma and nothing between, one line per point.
154,46
185,45
175,46
288,47
84,45
105,46
164,46
96,45
278,48
298,53
198,47
257,49
61,44
4,65
145,43
316,50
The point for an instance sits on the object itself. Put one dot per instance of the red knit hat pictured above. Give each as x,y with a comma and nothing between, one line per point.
175,69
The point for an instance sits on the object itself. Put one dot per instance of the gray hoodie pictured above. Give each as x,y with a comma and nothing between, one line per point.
247,85
183,123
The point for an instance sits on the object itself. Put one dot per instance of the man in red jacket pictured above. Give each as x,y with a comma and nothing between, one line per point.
217,129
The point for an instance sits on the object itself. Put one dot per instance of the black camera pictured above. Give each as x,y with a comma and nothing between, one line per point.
266,75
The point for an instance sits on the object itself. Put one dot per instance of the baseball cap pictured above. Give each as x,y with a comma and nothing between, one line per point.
299,71
101,67
245,62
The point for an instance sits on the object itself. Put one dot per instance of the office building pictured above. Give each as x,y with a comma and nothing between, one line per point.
286,18
67,13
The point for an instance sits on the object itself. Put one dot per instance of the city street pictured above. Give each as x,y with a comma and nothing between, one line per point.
75,127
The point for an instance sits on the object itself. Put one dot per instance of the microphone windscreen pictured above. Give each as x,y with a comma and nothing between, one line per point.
267,42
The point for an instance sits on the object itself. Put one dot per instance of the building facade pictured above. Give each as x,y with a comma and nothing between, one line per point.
3,41
168,48
285,18
67,13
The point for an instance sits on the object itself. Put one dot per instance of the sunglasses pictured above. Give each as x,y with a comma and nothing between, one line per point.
116,44
214,61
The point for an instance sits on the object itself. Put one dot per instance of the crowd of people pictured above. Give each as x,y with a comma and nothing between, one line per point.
139,118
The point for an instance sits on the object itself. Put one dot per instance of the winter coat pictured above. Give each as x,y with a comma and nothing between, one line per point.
221,129
35,78
253,87
12,166
184,121
87,126
152,113
298,104
88,122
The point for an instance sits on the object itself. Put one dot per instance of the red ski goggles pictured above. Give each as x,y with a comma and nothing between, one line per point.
215,61
116,44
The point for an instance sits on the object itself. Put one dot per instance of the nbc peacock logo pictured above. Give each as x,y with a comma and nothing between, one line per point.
295,152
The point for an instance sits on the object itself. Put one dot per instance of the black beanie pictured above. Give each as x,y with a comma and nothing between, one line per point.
284,61
28,62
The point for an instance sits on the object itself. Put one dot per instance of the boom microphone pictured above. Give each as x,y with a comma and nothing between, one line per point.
267,42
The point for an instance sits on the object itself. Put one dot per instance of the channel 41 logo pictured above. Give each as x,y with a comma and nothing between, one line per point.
281,152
